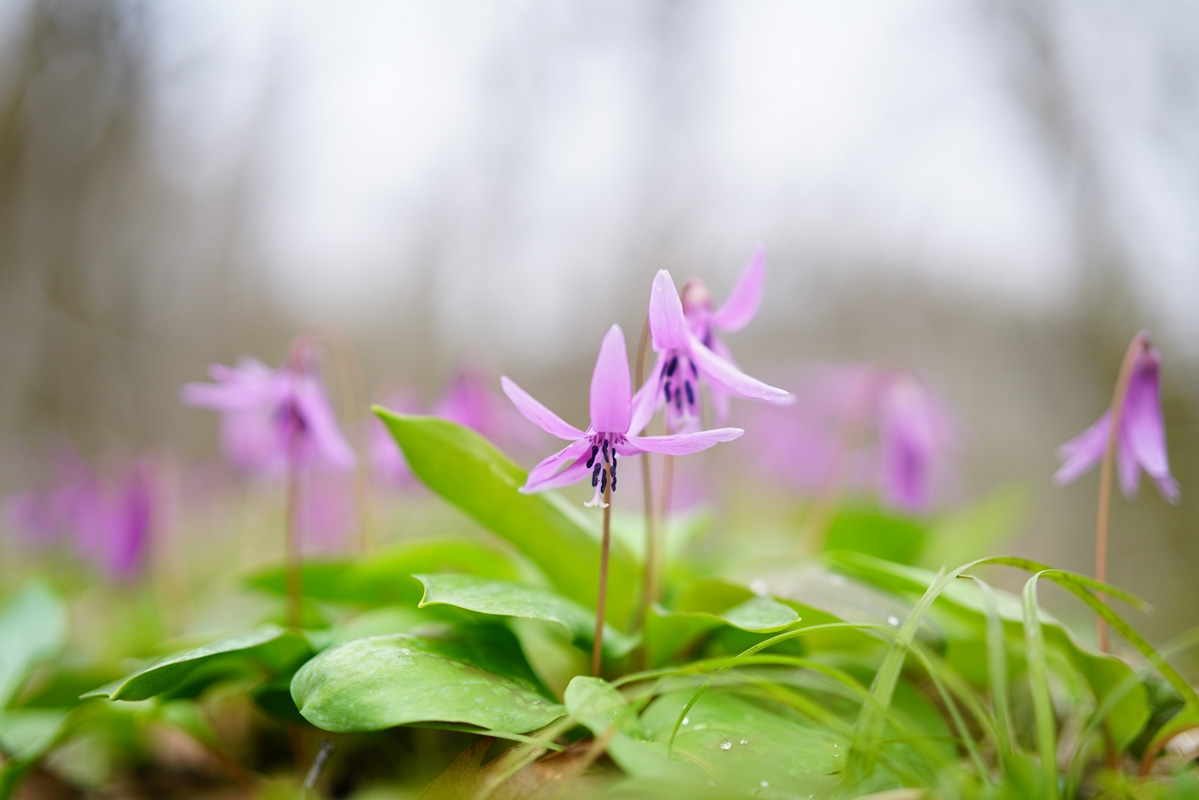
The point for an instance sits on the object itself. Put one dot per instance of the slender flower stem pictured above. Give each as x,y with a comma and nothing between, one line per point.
292,523
1139,342
649,591
597,647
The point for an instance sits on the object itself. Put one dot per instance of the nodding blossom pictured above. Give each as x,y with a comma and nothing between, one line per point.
1140,440
273,420
110,521
863,427
612,432
682,332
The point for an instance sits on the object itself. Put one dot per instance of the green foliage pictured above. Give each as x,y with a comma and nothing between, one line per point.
475,677
509,599
470,474
32,629
859,672
262,652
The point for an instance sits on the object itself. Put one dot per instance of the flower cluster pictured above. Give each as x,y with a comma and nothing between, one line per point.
682,334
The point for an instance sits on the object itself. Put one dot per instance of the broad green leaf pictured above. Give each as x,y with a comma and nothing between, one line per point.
706,604
381,578
467,471
264,651
877,533
609,717
747,744
508,599
32,628
476,678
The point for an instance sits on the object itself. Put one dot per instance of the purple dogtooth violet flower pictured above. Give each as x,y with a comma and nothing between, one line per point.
689,350
274,420
1140,439
613,432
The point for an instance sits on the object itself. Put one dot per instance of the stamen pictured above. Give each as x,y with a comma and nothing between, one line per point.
672,366
690,393
595,474
605,451
604,482
591,461
678,399
666,386
694,371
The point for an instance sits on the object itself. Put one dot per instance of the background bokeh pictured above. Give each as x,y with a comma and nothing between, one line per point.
997,194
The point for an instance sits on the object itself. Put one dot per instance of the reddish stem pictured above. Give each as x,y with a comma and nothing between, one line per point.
597,646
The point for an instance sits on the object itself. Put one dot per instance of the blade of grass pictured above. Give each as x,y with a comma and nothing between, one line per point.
1044,721
997,679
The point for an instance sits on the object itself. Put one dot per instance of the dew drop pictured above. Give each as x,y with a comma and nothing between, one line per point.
745,741
726,744
764,784
686,720
893,621
712,784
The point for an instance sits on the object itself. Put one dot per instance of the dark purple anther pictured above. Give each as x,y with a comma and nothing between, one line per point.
595,475
591,461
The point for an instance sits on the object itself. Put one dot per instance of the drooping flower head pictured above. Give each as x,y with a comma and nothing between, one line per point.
682,332
1140,439
868,427
110,520
273,420
612,432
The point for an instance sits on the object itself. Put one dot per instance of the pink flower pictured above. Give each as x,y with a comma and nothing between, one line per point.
273,419
690,351
1140,441
612,431
863,426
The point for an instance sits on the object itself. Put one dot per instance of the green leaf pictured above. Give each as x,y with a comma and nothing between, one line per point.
266,650
704,605
508,599
379,579
383,681
33,627
877,533
749,745
467,471
609,717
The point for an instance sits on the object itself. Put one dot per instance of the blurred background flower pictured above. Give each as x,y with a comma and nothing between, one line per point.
994,194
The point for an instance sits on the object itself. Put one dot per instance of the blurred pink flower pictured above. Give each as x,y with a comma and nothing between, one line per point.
594,451
469,400
862,427
110,522
273,419
688,351
1140,441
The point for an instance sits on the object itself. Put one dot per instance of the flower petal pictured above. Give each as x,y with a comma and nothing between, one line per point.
1083,451
742,304
667,325
327,437
536,413
906,445
681,444
647,399
611,386
550,466
1142,426
1127,470
572,474
734,380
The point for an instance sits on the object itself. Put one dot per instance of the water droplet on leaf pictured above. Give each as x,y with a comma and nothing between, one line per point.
727,744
